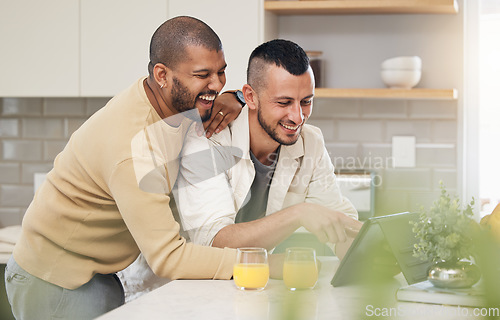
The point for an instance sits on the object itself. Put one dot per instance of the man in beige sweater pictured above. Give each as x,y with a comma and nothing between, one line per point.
107,197
265,175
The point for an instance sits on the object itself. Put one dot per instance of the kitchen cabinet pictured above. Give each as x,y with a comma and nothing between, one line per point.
363,7
115,37
241,25
92,48
114,43
70,48
40,48
122,31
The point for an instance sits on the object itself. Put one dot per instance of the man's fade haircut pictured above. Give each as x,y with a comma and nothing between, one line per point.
282,53
169,42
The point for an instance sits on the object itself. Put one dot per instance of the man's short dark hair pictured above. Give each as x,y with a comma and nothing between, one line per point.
282,53
169,42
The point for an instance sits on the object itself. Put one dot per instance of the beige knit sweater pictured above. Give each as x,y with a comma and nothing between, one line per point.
107,199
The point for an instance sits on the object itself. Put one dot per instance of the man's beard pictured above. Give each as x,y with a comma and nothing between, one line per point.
272,132
183,100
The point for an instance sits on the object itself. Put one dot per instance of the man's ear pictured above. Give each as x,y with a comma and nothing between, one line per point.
162,75
250,96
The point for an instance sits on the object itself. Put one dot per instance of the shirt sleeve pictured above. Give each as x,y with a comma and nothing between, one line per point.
203,193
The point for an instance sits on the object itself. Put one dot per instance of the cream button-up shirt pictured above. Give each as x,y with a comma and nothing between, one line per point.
208,202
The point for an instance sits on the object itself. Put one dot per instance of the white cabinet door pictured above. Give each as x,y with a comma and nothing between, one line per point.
115,38
39,48
238,23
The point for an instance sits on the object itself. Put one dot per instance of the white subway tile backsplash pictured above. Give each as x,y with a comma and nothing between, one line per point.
376,156
444,131
43,128
384,109
407,179
94,104
360,131
10,217
421,129
15,195
67,107
335,108
326,127
72,125
22,150
357,132
32,132
9,173
9,127
22,106
38,179
438,156
422,109
342,154
52,148
29,169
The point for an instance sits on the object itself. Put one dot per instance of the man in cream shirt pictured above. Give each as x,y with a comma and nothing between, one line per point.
264,176
271,173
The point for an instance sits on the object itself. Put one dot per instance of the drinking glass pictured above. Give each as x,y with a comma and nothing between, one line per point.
300,270
251,271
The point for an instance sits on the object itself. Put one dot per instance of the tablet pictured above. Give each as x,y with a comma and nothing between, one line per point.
383,242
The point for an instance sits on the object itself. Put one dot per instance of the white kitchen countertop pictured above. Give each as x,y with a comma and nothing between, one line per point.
219,299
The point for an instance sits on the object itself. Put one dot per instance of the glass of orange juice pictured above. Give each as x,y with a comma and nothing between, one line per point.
300,270
251,270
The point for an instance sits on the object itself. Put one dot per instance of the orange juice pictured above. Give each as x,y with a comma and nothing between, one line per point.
300,274
251,275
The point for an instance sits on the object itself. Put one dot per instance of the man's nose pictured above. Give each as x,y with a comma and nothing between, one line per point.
217,83
296,115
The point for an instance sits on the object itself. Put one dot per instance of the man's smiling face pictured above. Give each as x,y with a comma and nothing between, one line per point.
197,80
285,103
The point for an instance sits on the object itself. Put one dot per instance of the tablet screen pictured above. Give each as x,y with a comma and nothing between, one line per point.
382,243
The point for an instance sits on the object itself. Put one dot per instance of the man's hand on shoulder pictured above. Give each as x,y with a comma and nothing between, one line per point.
226,108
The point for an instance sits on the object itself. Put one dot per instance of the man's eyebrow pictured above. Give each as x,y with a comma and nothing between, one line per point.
208,70
201,70
283,97
290,98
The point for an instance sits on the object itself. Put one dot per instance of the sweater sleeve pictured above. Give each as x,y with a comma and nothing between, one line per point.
150,221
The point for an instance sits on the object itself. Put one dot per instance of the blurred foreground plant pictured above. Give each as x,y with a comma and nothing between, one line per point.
445,231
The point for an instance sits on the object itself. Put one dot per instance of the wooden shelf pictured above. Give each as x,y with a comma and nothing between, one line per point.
361,6
410,94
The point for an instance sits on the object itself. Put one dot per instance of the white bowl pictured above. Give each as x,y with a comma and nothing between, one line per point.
402,63
405,79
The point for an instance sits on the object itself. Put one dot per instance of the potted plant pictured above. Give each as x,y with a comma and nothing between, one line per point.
445,236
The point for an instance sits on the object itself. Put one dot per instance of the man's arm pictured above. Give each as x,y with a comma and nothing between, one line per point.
207,208
326,224
325,212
